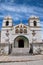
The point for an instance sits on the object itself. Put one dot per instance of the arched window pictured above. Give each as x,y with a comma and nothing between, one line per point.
17,27
7,23
35,23
25,30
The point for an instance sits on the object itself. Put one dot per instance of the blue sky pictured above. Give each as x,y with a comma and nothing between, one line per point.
21,10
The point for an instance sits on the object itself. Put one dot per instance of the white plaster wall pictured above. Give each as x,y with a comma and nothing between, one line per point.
38,36
31,24
12,38
6,50
3,35
13,35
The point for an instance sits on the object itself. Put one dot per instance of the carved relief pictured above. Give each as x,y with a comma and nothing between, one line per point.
16,31
21,29
17,27
25,30
33,33
24,27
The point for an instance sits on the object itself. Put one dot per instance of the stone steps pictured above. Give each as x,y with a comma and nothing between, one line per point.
20,54
20,51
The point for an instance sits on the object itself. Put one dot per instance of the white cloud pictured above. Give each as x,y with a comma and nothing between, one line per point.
18,9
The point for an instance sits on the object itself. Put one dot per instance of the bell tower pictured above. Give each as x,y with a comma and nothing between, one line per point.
6,30
7,22
34,21
35,29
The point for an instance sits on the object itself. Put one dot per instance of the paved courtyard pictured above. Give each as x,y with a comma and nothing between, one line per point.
21,60
40,62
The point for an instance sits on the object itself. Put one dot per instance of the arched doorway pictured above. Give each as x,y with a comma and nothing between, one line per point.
21,42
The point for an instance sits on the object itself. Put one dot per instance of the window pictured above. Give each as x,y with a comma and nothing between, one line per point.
7,23
17,27
35,23
25,30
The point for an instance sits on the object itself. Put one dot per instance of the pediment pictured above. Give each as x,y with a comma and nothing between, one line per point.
21,26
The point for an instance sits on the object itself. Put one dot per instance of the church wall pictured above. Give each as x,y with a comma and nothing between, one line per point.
26,42
38,36
3,37
4,49
30,37
13,35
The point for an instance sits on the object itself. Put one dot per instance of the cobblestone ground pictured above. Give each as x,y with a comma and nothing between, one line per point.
40,62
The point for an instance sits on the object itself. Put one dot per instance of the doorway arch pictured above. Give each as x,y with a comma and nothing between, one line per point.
21,42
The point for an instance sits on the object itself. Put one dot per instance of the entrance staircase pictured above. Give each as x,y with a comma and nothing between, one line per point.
20,51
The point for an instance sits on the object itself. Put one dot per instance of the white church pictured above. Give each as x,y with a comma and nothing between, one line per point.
21,38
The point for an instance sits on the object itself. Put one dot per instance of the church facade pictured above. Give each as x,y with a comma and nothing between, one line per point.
20,38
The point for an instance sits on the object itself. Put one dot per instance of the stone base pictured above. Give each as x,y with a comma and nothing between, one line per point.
8,49
37,48
4,49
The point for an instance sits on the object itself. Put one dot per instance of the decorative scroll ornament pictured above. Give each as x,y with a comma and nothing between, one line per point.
7,34
33,33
